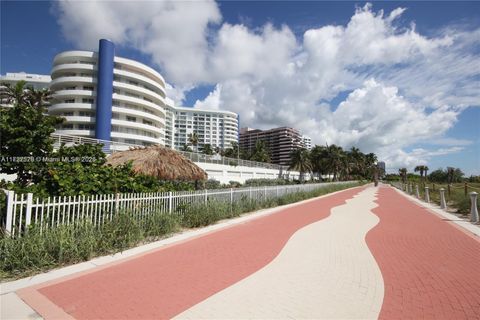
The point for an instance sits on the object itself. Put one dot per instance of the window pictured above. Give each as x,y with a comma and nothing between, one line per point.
131,119
87,100
67,126
88,88
85,126
150,123
69,101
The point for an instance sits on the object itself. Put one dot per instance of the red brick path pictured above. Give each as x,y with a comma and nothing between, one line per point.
166,282
431,270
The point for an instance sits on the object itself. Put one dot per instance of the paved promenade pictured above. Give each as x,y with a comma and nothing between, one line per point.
363,253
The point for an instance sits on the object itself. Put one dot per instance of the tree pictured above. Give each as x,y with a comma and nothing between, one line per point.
318,158
207,149
233,151
438,176
193,140
300,161
186,148
25,131
420,169
335,160
403,174
450,173
260,153
358,161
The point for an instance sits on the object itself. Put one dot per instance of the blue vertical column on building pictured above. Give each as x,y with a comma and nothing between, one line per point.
103,125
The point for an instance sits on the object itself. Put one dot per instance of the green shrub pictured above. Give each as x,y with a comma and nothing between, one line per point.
160,224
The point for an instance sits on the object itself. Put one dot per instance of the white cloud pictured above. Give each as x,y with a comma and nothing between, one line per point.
398,158
174,33
405,88
212,101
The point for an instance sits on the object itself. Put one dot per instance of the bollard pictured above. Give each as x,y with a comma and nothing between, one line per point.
417,191
427,195
474,210
443,203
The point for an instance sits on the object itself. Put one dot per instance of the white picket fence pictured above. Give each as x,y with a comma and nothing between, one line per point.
23,210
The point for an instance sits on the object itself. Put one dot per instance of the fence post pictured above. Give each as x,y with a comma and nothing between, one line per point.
417,191
28,213
117,196
427,195
8,226
443,203
170,200
265,191
466,189
250,193
231,196
474,210
277,191
206,196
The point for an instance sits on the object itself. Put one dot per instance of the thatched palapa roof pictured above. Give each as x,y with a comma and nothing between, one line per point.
159,162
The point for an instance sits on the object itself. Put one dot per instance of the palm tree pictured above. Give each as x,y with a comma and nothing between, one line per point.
193,140
426,172
38,98
335,160
419,169
403,174
185,148
358,159
318,156
260,153
423,171
450,174
300,161
233,151
207,149
14,94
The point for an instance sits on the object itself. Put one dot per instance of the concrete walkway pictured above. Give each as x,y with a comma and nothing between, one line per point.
361,253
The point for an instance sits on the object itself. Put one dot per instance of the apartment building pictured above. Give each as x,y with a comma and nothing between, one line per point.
307,142
107,97
215,127
280,142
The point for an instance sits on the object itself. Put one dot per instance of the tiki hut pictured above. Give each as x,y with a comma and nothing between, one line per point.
159,162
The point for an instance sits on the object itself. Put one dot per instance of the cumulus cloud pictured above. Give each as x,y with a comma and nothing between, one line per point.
173,33
403,87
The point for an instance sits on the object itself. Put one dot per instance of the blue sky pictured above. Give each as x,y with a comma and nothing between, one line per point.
408,93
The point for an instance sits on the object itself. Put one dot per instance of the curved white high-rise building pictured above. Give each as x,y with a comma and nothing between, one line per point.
107,97
111,98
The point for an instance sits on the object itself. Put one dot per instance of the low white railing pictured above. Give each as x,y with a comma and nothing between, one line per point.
24,210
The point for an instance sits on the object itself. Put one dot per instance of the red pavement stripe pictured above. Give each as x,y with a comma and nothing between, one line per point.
431,270
164,283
